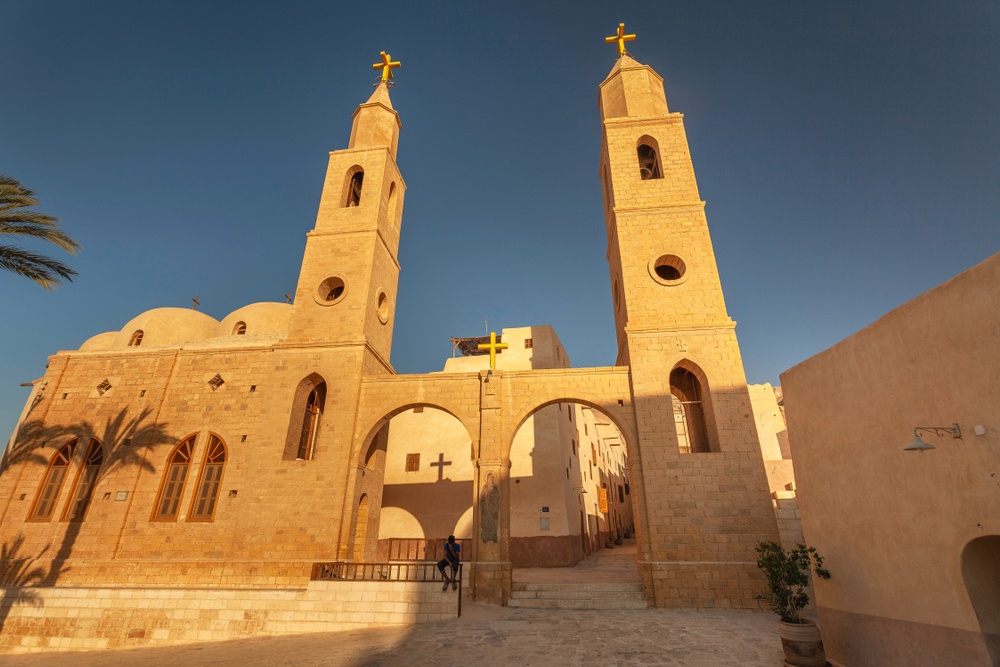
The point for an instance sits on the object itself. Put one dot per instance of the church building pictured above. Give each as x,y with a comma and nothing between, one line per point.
218,466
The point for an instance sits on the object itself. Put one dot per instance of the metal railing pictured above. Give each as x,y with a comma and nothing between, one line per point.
414,571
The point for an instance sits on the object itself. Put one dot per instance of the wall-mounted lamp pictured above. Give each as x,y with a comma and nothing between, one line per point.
918,445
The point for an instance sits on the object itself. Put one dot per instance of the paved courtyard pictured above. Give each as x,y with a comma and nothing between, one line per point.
493,636
484,635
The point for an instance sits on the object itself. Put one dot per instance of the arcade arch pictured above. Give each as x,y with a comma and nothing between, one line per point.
415,467
570,488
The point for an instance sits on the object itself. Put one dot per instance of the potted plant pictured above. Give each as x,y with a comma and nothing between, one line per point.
788,578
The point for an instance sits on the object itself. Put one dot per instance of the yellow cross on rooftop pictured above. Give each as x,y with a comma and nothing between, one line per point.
387,65
621,38
493,346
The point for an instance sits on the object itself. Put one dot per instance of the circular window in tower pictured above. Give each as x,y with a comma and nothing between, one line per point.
668,270
382,307
331,291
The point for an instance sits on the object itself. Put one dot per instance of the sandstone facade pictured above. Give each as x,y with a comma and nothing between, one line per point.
186,452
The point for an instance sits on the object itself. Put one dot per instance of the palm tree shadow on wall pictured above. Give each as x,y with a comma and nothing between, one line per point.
127,443
18,576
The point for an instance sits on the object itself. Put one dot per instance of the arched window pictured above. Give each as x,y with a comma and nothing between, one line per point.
207,490
310,422
240,329
136,339
48,491
355,179
172,486
390,209
306,416
689,411
649,158
86,478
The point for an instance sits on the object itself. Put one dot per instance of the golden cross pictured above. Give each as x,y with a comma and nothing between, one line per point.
621,38
493,346
387,65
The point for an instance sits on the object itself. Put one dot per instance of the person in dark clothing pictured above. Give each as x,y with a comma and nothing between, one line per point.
452,557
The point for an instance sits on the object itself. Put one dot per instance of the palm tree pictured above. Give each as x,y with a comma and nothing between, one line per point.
14,220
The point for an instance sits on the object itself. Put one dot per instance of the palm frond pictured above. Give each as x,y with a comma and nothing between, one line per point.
43,270
38,226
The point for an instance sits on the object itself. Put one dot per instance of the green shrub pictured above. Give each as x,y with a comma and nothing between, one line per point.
787,575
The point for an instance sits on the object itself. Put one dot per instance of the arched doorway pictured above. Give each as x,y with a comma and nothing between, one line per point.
416,468
981,572
570,490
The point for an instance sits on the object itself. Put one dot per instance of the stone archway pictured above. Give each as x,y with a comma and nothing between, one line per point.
416,462
570,491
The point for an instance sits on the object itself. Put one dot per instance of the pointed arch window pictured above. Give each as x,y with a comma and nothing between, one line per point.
355,179
86,479
306,417
136,339
48,491
310,422
689,412
390,209
206,493
649,158
172,487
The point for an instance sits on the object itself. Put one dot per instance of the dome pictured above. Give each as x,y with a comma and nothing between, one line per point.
258,318
102,341
166,326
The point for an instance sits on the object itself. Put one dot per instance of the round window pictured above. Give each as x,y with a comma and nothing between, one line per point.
331,291
668,270
383,307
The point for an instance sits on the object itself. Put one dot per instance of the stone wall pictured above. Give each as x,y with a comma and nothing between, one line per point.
98,618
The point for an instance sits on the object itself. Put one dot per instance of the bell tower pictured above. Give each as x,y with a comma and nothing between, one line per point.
346,292
698,445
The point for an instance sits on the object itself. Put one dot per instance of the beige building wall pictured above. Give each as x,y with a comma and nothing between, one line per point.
911,539
773,435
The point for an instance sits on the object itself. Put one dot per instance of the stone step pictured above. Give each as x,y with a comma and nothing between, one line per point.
536,603
578,595
596,587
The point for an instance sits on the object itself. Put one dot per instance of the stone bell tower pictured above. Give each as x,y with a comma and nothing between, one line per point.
347,286
705,487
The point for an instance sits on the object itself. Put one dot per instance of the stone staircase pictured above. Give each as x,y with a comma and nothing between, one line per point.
577,596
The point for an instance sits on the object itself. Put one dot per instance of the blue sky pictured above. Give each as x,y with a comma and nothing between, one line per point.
848,152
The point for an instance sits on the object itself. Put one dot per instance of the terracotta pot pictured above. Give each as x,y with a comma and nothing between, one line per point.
802,644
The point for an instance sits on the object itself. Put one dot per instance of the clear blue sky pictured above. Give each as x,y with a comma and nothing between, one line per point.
848,152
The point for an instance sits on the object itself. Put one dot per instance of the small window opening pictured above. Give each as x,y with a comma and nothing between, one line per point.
528,343
649,162
412,462
136,339
104,387
253,388
354,189
240,329
216,382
